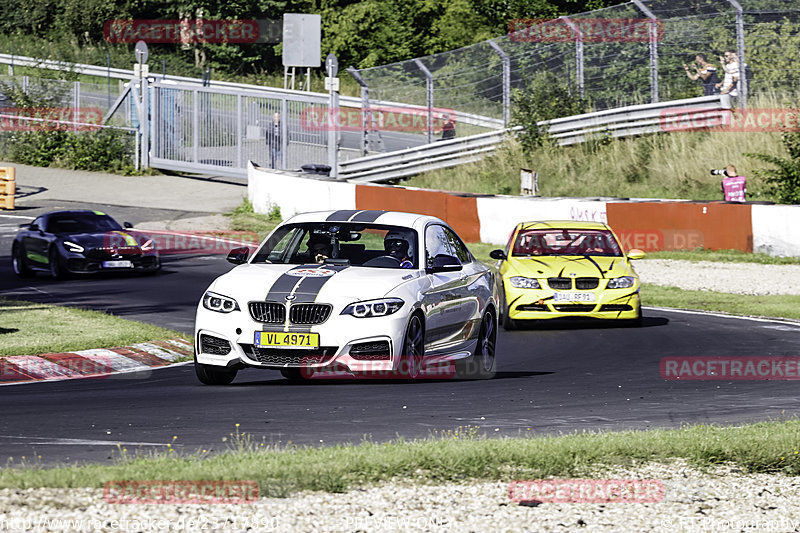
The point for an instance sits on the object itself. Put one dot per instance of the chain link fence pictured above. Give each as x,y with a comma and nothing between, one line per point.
609,69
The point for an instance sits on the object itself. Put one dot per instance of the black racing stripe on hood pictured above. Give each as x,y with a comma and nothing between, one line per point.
284,285
309,289
586,258
367,216
343,215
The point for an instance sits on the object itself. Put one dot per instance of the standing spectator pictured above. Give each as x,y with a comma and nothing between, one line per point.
706,72
734,186
448,128
730,64
274,144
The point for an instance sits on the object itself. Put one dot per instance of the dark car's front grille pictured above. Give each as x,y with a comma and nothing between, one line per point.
370,351
268,312
559,284
587,283
214,345
275,313
309,313
107,253
575,308
289,357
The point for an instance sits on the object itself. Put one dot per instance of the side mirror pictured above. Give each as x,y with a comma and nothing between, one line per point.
127,225
497,254
238,256
636,254
444,263
35,227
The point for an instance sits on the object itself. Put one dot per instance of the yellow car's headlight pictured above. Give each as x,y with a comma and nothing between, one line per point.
625,282
524,283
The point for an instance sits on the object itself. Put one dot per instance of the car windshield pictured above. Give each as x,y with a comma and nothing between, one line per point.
553,241
367,245
81,223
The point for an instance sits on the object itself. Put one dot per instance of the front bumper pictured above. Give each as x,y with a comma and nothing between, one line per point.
539,304
346,343
79,264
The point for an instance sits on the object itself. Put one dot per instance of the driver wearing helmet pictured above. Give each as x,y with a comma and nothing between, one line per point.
397,246
319,247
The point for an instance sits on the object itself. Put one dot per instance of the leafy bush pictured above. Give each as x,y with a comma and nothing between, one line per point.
783,181
546,97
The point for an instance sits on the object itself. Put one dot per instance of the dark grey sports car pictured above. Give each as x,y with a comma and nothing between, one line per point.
81,242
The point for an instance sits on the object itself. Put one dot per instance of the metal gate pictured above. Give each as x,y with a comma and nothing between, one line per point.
217,130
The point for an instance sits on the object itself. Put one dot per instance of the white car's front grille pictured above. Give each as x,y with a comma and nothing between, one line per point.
303,313
268,312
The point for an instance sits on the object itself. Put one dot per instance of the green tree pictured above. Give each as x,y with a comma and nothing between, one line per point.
784,180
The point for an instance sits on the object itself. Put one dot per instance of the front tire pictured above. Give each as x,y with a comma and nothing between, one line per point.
57,271
508,323
214,375
21,268
413,348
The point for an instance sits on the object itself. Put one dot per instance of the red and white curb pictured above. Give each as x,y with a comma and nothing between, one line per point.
95,363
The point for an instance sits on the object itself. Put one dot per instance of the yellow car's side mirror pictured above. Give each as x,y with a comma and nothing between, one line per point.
636,254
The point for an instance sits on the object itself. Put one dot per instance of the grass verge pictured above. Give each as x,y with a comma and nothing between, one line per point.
244,218
724,256
773,305
28,328
451,456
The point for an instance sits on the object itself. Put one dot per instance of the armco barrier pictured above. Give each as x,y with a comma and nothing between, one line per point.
8,187
649,225
683,225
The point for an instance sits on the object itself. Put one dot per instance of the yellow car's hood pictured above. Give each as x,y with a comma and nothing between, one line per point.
571,266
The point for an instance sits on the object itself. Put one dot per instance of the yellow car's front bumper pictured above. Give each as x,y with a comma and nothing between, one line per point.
539,304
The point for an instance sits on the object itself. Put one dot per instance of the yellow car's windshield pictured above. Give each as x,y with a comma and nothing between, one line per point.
554,241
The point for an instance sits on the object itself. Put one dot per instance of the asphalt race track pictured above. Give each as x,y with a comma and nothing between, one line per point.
558,378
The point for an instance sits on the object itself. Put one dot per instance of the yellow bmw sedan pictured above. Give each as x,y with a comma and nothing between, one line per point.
556,269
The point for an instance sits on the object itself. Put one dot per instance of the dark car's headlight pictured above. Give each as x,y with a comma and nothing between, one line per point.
383,307
524,283
221,304
625,282
73,247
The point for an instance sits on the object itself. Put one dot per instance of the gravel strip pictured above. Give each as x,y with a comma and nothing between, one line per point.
736,278
722,499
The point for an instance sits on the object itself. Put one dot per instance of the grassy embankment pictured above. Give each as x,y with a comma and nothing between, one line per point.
449,456
28,328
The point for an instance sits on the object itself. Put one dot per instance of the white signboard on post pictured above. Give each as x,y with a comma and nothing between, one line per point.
302,40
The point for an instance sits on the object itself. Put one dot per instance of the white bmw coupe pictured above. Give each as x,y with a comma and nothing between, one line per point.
354,293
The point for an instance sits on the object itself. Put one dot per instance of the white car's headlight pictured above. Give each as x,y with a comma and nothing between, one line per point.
73,247
221,304
525,283
625,282
382,307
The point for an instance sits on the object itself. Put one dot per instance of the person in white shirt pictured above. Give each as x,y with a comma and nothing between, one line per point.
730,64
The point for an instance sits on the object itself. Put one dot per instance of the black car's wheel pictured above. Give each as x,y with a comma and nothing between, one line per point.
413,348
57,269
508,323
213,375
21,268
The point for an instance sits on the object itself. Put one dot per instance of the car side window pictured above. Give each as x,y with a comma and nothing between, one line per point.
436,243
457,246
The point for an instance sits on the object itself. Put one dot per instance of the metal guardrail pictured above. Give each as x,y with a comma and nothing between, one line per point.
622,122
123,74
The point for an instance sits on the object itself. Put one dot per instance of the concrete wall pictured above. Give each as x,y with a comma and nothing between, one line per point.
649,225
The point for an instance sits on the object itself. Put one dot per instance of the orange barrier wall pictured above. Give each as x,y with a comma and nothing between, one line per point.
652,226
461,212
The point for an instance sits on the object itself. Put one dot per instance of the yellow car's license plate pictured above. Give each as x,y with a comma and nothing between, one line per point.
272,339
